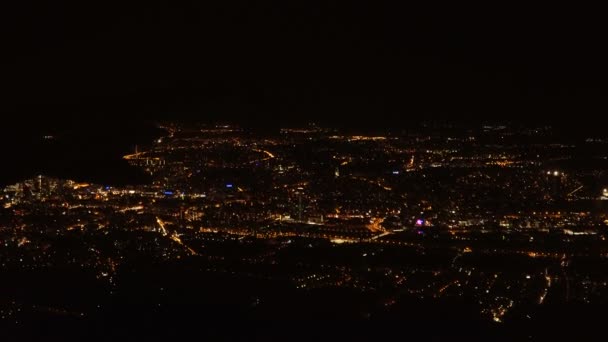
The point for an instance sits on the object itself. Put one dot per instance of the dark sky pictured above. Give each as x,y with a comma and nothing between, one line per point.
270,62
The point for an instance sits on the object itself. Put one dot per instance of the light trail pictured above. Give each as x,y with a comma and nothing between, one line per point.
441,290
174,236
134,155
382,235
270,155
332,237
267,153
547,287
162,226
575,190
137,207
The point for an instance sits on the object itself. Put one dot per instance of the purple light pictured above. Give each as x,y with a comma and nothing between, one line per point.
419,222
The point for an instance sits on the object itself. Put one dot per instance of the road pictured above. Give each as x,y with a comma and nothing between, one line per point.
174,236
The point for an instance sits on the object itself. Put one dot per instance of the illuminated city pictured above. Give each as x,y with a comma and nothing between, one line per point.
319,216
180,170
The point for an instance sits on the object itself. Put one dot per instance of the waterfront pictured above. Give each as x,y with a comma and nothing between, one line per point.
92,155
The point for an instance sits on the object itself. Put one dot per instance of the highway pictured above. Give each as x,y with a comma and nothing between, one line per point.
174,236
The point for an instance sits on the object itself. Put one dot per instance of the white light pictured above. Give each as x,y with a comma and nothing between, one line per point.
548,172
556,173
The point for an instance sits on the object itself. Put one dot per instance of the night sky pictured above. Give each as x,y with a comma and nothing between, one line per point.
284,62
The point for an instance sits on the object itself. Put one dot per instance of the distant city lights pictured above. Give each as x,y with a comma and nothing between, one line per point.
469,201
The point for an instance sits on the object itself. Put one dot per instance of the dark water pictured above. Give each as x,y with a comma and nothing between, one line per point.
91,153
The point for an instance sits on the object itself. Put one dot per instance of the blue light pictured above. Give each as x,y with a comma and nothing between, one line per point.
107,187
168,193
395,172
229,185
